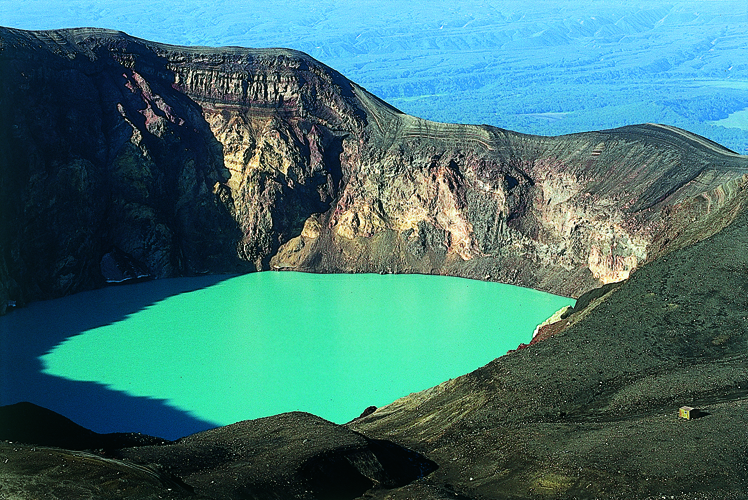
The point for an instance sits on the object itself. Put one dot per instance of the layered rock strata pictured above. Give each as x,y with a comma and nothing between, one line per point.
196,160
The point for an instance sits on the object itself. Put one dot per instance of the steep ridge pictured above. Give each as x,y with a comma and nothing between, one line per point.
292,455
194,160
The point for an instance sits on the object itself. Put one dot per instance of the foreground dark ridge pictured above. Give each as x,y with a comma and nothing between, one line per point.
195,160
293,455
201,160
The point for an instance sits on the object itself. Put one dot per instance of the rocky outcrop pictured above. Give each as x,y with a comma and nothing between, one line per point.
195,160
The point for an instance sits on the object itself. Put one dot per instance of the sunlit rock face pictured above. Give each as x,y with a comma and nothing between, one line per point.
195,160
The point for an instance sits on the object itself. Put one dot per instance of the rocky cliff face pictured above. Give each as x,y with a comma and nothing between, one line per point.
95,158
592,411
127,157
193,160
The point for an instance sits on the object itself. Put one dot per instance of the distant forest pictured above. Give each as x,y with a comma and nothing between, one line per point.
540,67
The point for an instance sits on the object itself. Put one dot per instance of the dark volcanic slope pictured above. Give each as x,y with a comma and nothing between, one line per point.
193,160
292,455
592,412
29,423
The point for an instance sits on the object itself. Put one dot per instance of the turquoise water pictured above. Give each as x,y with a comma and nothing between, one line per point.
266,343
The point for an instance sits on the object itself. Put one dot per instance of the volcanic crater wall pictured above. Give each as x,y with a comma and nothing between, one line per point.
199,160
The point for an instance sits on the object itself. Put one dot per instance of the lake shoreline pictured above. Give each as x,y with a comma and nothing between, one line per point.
332,345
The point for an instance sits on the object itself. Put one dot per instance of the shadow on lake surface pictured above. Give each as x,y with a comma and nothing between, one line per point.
30,332
172,357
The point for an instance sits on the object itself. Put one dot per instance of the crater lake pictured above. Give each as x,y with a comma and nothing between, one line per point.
175,356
